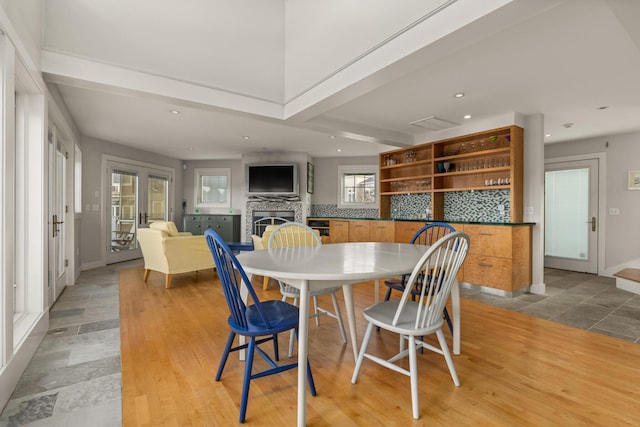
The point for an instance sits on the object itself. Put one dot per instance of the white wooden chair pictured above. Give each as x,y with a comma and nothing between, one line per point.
415,319
295,234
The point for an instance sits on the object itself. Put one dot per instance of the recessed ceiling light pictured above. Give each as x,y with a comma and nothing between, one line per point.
189,148
467,116
547,135
604,107
458,95
332,137
567,125
174,111
339,150
246,137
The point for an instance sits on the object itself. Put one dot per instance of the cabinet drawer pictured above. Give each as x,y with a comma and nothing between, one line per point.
488,271
192,218
223,218
405,231
494,241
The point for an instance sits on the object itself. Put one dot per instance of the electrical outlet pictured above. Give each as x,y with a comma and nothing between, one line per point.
528,210
614,211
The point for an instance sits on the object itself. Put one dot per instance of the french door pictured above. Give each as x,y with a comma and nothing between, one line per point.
58,212
571,215
138,195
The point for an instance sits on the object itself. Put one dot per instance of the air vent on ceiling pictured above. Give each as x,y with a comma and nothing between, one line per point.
434,123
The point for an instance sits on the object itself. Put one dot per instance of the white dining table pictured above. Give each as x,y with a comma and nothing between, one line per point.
331,265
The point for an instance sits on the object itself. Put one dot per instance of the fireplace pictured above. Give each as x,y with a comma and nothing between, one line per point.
257,210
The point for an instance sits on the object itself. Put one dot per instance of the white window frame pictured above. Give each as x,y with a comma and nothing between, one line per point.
198,173
357,169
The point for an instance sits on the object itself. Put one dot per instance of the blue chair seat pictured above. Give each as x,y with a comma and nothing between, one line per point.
282,317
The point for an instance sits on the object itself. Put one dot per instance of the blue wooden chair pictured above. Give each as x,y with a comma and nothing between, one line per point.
427,235
260,322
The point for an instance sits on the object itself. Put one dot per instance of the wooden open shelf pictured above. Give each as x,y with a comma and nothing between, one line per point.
488,160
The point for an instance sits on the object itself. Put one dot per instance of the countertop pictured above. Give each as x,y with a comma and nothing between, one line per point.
508,224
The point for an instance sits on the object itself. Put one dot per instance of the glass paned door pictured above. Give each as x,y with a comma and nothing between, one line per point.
138,196
123,212
158,191
571,216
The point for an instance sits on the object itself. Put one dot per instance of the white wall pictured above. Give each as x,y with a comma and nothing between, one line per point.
26,19
326,172
237,184
622,238
92,174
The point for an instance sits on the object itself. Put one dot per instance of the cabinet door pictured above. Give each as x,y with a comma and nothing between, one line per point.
359,231
192,224
381,231
339,231
227,226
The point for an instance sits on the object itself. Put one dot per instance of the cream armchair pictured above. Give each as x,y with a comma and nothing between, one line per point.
168,251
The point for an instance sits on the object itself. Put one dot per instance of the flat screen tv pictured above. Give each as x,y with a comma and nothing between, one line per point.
272,179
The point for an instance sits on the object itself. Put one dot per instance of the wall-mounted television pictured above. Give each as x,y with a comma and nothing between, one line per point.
272,180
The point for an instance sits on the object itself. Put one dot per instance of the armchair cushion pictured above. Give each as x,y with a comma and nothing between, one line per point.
168,227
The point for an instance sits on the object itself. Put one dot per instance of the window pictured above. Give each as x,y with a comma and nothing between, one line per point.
358,186
212,187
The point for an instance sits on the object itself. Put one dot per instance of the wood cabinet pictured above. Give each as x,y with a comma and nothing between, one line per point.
488,160
499,257
227,226
405,230
339,231
381,231
359,230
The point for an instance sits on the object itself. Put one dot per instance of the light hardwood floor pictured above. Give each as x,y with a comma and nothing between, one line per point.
515,370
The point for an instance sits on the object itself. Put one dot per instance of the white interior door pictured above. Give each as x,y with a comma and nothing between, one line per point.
58,210
571,215
139,195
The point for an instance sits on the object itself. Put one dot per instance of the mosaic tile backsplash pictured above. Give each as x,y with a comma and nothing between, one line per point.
332,211
467,206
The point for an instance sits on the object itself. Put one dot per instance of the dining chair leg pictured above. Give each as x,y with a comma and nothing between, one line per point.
413,374
363,349
291,334
447,318
447,357
225,354
336,310
315,310
276,351
247,378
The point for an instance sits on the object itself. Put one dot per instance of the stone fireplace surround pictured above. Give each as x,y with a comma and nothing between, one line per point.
270,206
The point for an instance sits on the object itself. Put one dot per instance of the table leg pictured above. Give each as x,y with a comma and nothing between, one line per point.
376,290
347,291
303,347
455,308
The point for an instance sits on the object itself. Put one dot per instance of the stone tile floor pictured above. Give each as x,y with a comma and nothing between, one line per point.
580,300
75,377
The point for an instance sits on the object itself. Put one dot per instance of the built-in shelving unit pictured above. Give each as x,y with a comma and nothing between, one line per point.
489,160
